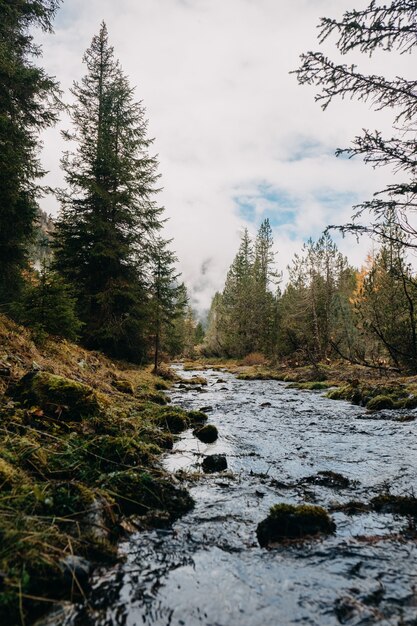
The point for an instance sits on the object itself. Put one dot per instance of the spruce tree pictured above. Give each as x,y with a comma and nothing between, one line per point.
27,106
109,216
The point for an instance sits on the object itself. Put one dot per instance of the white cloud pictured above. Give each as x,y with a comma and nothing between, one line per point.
227,116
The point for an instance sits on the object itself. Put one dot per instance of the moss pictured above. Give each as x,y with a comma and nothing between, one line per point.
195,380
313,386
287,521
155,398
9,475
329,479
123,385
380,402
403,505
410,403
109,452
207,433
173,419
138,493
57,396
197,417
161,385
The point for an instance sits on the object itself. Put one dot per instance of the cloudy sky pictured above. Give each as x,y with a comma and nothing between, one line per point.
238,139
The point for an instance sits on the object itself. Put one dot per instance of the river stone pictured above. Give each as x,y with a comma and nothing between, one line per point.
214,463
287,521
76,568
207,433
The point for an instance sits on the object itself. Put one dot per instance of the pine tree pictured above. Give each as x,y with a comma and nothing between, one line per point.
109,218
27,106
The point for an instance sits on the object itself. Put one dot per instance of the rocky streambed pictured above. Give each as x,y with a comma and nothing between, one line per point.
282,445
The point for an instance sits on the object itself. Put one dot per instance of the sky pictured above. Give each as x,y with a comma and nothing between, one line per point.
237,138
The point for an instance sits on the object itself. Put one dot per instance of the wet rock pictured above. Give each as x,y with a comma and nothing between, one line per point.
57,396
5,372
214,463
287,521
406,418
76,569
206,409
328,479
207,433
264,405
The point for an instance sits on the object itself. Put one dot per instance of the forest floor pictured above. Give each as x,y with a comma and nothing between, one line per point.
80,441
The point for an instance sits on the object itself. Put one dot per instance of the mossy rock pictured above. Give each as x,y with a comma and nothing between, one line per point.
380,402
123,385
288,521
333,480
214,463
174,420
197,417
57,396
207,433
402,505
139,493
156,398
410,403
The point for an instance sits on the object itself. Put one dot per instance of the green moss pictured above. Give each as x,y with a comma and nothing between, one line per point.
108,452
155,397
195,380
173,419
57,396
380,402
197,417
410,403
123,385
207,433
287,521
139,493
403,505
313,386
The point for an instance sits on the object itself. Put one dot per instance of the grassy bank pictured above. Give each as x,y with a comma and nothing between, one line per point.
372,388
80,438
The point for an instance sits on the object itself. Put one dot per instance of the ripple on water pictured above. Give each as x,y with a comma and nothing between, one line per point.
209,570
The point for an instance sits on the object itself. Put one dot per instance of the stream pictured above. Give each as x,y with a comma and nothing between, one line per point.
208,570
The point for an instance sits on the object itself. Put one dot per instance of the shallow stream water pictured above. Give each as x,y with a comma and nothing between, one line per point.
208,570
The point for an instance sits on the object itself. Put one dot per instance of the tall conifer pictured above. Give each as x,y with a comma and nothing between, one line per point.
27,106
109,216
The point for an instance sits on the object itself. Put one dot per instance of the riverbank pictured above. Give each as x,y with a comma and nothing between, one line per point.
80,441
285,447
372,388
